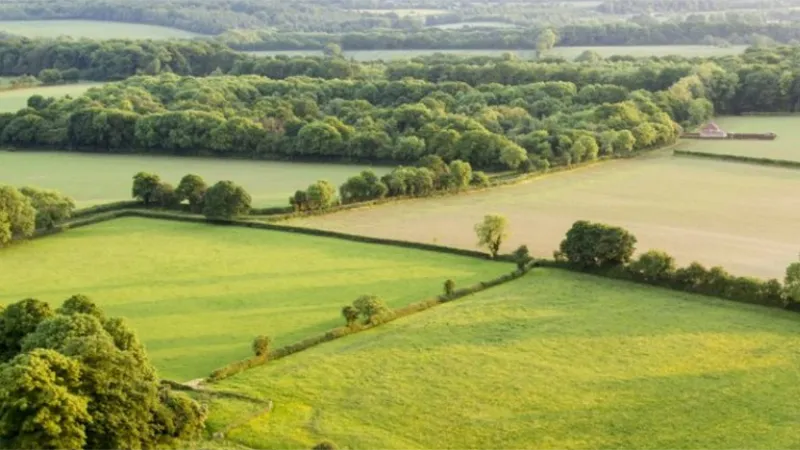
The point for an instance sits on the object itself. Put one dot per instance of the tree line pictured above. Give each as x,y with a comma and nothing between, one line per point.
23,211
490,127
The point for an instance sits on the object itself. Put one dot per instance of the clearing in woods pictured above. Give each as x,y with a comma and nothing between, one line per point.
95,178
12,100
740,216
552,360
565,52
786,146
198,294
92,29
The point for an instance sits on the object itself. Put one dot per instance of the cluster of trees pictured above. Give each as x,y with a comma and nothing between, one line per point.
22,211
489,126
75,378
370,309
430,175
223,200
607,249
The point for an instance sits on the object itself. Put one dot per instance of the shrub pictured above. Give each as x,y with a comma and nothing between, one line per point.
261,345
325,445
350,314
449,287
479,179
164,195
522,256
226,200
654,266
594,245
372,308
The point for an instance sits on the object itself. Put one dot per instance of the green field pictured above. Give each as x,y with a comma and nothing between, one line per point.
554,360
565,52
740,216
197,294
459,25
15,99
401,12
91,29
785,146
91,178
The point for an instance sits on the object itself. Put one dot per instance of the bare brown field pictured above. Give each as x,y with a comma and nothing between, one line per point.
742,217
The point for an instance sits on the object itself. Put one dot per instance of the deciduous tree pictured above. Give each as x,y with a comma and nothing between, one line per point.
492,231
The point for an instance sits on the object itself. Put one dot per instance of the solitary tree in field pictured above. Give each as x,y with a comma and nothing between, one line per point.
545,41
350,314
492,231
261,345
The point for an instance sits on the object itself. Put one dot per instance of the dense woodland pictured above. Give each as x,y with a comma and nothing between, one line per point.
494,113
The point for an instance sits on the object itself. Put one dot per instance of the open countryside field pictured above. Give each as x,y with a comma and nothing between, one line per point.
553,360
740,216
100,178
565,52
786,146
456,26
401,12
92,29
197,294
15,99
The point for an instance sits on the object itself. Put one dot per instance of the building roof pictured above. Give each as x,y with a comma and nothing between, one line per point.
711,126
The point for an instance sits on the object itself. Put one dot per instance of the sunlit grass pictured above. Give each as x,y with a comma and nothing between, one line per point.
554,360
198,294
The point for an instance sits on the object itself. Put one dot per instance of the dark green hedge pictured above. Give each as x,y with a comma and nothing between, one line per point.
743,159
106,207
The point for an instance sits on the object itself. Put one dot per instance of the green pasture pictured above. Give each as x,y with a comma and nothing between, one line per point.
405,12
198,294
101,178
92,29
786,146
487,24
15,99
554,360
565,52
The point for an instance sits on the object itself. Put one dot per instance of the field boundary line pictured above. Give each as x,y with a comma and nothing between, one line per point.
739,159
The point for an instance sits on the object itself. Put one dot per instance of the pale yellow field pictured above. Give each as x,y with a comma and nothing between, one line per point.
786,146
743,217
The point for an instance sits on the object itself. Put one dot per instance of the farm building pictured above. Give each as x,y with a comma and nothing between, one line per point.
711,129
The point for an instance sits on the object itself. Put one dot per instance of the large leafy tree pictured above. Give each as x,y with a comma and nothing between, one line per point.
51,206
82,380
492,231
17,215
192,188
145,187
226,200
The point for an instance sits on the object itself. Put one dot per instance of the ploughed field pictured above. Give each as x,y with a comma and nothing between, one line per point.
552,360
786,146
743,217
564,52
198,294
13,100
101,178
92,29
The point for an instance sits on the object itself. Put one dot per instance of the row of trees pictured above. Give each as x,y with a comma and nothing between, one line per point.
24,210
430,175
608,249
223,200
75,378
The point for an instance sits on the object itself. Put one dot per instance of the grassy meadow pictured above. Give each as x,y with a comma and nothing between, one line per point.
15,99
565,52
405,12
92,29
197,294
101,178
740,216
786,146
554,360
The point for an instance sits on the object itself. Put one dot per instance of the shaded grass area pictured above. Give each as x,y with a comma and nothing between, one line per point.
92,179
15,99
92,29
198,294
553,360
785,147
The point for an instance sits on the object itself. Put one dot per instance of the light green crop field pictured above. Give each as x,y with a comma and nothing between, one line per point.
101,178
15,99
553,360
565,52
741,216
92,29
197,294
786,146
